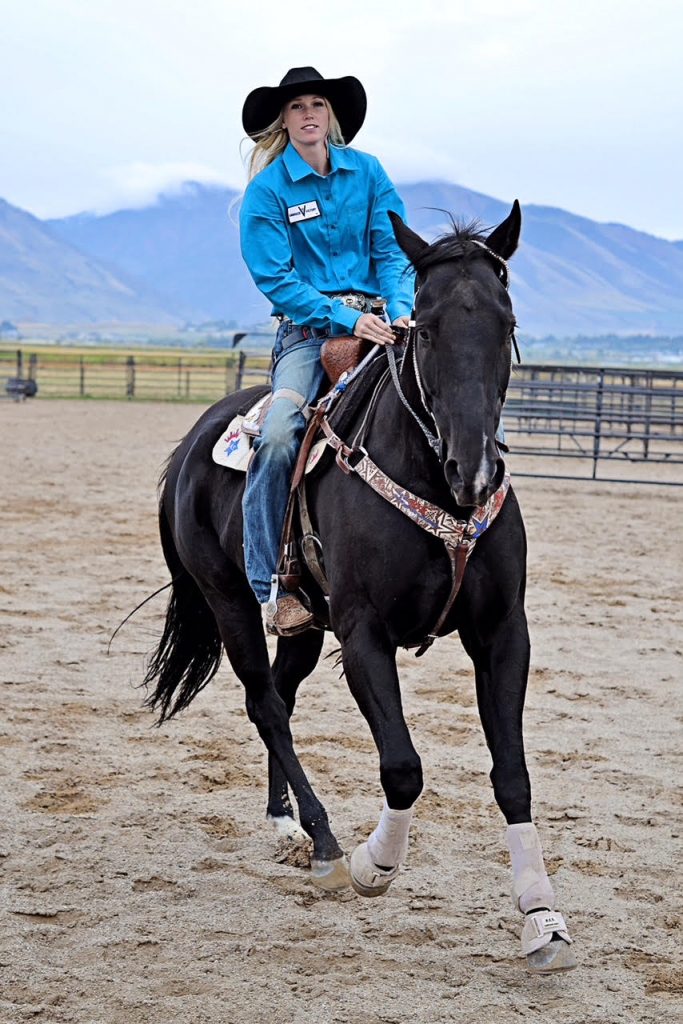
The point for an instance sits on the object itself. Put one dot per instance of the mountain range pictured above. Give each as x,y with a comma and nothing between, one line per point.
178,260
44,279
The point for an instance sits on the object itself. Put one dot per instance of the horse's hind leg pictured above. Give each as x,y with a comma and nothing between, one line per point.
238,617
296,658
501,673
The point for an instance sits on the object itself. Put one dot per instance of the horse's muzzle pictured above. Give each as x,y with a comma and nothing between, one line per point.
474,488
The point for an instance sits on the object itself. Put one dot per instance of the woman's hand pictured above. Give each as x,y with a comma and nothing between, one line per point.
400,321
373,328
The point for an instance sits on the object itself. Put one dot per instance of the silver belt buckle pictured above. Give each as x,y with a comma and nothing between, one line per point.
357,300
354,300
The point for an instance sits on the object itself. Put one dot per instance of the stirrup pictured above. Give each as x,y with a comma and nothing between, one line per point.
288,617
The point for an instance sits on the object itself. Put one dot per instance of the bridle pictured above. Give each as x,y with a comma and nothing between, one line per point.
408,335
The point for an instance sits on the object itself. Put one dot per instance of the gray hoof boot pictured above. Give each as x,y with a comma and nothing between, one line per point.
556,957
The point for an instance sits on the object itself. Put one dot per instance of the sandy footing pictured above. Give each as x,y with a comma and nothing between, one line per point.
140,883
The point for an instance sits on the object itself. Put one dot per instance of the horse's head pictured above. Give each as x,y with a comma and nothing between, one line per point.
462,339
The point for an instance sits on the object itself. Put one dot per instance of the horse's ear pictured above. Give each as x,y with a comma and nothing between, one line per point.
411,243
505,238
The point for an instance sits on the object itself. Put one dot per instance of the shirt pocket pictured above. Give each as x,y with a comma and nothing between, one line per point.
355,221
357,212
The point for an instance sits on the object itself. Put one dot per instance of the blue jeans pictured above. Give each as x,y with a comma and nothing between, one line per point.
297,366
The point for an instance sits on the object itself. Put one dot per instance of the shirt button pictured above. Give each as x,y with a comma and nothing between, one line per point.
335,253
328,196
333,225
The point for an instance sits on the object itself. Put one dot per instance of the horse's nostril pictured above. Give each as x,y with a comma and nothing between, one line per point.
500,473
477,485
451,473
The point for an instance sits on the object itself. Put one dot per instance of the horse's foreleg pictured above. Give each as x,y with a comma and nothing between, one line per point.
296,658
239,621
370,665
502,668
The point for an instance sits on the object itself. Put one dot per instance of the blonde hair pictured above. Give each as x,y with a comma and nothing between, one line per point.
272,141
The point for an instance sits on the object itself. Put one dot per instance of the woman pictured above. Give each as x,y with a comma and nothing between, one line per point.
318,243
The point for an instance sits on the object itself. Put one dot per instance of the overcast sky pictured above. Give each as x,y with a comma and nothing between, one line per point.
577,105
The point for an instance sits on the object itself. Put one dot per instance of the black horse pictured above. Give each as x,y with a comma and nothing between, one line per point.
388,579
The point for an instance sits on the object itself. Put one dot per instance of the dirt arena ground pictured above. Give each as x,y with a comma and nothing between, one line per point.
140,884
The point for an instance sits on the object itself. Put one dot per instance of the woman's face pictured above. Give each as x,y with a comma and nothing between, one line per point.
306,119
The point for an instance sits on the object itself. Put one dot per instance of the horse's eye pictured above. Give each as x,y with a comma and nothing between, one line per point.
422,334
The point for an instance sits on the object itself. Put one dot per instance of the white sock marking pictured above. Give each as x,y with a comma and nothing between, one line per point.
288,828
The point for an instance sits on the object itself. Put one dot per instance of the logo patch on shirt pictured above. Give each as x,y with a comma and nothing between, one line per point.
303,211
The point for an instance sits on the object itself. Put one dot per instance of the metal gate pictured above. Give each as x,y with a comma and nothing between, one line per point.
603,416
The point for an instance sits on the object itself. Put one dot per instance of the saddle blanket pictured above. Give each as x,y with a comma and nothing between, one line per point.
234,446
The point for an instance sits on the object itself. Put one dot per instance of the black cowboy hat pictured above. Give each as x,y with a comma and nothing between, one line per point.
346,95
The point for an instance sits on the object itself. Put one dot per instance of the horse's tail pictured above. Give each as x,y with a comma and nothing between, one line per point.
190,649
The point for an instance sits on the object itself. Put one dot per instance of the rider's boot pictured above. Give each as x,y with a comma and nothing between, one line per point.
286,615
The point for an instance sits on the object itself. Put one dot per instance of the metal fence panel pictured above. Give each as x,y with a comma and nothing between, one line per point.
604,415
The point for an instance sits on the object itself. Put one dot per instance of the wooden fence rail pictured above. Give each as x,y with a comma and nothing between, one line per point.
186,378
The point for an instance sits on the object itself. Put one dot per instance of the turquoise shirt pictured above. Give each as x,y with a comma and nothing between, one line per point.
304,234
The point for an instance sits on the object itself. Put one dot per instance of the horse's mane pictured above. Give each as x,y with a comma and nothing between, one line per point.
452,245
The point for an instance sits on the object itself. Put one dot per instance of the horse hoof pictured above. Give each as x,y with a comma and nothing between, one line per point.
366,878
557,956
331,875
287,828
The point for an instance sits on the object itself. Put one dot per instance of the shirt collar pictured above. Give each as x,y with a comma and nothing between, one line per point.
298,168
341,158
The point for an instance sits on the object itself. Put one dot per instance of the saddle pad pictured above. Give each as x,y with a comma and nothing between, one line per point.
233,447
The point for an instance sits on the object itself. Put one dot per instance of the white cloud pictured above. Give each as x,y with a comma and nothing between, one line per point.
408,160
139,184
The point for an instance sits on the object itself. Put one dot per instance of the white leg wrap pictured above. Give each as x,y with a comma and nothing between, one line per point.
531,885
388,844
375,864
